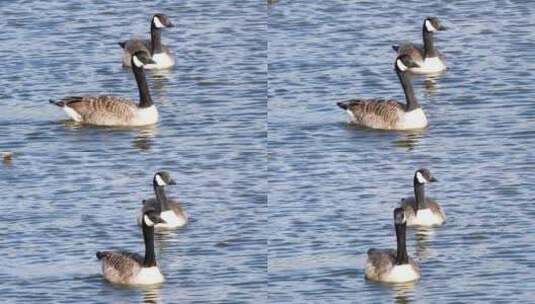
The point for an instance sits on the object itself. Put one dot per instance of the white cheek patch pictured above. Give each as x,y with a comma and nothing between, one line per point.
420,178
157,23
429,26
148,221
137,62
401,66
160,181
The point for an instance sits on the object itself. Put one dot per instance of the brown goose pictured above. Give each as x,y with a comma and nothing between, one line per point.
113,110
393,266
126,268
163,59
389,114
421,210
427,58
170,210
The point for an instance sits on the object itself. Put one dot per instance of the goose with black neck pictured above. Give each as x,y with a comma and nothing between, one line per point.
170,210
108,110
126,268
421,210
385,114
161,54
428,59
393,266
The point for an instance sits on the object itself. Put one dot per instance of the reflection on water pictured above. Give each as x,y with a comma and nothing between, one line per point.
151,295
144,137
409,139
7,157
422,235
402,292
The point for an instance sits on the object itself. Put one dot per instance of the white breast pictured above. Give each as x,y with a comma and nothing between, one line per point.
430,65
146,116
147,276
163,61
414,119
426,217
171,220
72,113
401,273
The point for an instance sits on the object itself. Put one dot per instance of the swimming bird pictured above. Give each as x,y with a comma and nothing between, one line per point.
126,268
160,53
427,58
389,114
421,210
170,210
393,266
106,110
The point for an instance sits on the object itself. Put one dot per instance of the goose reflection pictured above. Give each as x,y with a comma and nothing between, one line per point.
151,295
144,136
409,139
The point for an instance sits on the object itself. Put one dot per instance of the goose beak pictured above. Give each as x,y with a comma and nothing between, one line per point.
171,182
433,179
169,24
442,28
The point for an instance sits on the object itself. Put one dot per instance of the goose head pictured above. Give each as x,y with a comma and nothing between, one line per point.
404,62
141,58
423,176
151,217
432,24
160,21
162,179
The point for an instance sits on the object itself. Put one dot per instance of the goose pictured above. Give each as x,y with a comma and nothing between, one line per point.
108,110
126,268
421,210
389,114
393,266
160,53
428,59
169,210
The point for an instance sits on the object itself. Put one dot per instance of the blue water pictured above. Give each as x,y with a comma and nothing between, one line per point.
332,187
69,191
284,197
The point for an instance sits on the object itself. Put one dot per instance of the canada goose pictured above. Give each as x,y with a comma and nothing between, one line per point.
421,210
389,114
108,110
169,210
427,58
126,268
393,266
161,54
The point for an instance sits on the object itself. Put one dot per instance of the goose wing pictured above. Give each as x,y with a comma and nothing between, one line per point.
375,113
130,46
120,266
380,261
435,207
415,51
174,205
104,110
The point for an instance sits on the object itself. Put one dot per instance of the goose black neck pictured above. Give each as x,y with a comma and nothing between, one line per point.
429,49
401,254
410,98
155,39
145,100
419,195
161,197
148,236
